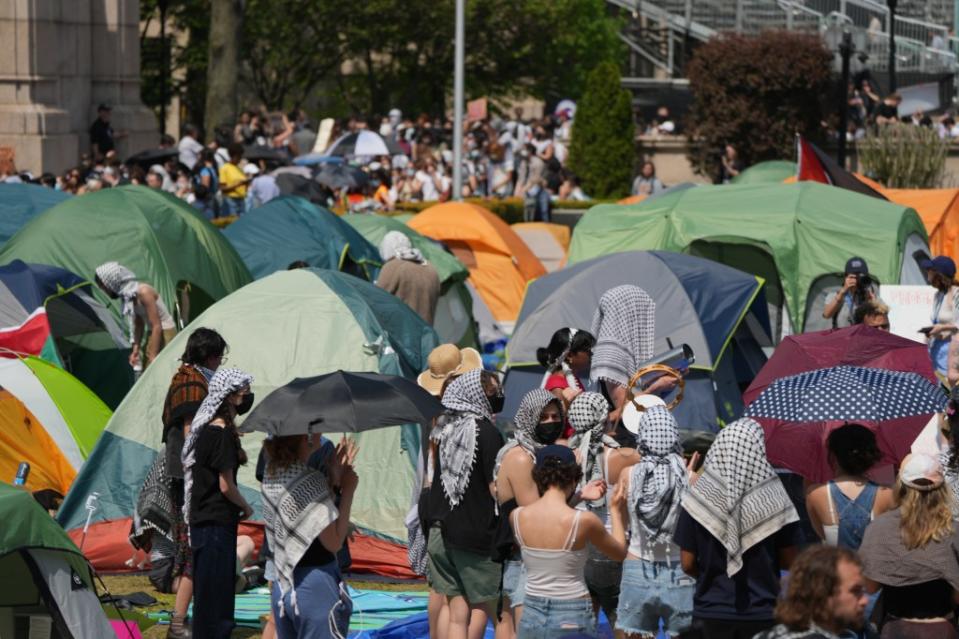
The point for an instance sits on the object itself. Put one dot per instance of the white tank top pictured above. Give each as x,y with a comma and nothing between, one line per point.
554,573
166,320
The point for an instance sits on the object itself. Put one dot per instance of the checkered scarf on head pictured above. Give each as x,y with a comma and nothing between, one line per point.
739,499
658,481
465,402
527,417
625,330
123,283
560,365
587,416
398,245
225,382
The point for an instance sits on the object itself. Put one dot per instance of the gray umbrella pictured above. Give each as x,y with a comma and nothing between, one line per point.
341,176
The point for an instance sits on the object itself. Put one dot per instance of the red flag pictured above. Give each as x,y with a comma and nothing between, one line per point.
808,167
815,166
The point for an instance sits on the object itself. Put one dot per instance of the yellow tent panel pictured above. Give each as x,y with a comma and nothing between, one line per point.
24,439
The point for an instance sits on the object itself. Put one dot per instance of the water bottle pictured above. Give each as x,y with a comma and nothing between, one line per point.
137,371
23,470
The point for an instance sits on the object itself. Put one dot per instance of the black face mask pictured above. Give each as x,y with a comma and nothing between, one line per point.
245,404
548,432
496,403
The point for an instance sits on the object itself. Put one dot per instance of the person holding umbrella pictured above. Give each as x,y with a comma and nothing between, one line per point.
305,530
213,505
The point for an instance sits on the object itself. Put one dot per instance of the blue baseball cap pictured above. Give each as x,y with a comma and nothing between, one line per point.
563,453
940,264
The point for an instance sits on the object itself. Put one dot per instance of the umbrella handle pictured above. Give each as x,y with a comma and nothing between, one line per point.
656,368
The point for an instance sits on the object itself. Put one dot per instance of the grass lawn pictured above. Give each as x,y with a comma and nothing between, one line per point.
124,584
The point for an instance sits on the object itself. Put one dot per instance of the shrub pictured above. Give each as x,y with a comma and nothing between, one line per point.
903,156
756,93
602,152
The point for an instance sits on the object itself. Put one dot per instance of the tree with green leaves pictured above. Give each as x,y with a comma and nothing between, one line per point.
602,152
756,93
223,63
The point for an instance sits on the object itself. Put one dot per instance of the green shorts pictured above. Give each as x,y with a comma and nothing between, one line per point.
461,573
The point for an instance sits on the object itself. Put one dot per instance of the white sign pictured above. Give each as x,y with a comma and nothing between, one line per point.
910,308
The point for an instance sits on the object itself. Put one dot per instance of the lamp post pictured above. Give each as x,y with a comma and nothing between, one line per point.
892,44
458,101
162,5
846,50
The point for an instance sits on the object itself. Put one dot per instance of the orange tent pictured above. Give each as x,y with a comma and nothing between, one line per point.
499,262
939,210
632,199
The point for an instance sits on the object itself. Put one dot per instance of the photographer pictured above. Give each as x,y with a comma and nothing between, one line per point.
857,288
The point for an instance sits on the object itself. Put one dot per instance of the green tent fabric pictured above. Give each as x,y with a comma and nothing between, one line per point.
769,172
27,525
789,234
290,324
286,229
20,203
159,237
375,227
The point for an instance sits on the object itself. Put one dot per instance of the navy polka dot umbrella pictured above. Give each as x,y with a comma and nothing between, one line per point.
848,393
798,412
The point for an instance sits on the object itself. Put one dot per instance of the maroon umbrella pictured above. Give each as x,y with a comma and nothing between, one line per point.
801,447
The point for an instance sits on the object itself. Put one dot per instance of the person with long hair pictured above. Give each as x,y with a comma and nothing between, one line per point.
158,524
213,505
840,509
825,595
305,530
737,530
566,360
553,537
941,274
653,584
604,459
911,553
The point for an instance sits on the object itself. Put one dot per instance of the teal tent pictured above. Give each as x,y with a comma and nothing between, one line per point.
20,203
769,172
290,324
288,229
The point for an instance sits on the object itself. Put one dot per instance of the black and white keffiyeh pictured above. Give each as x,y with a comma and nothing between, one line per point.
658,481
587,416
465,402
397,245
225,382
739,498
297,506
625,330
123,283
527,417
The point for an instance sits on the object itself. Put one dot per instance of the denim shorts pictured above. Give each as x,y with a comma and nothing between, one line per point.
514,582
652,590
603,576
547,618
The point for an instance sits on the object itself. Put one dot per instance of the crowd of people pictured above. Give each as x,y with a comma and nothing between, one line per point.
592,503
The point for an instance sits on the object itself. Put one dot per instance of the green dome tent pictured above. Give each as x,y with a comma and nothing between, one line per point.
797,237
287,229
454,310
44,573
290,324
769,172
159,237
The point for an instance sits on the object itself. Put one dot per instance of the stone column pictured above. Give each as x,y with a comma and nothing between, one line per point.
61,59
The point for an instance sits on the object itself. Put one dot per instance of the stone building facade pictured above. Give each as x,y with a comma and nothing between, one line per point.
59,59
